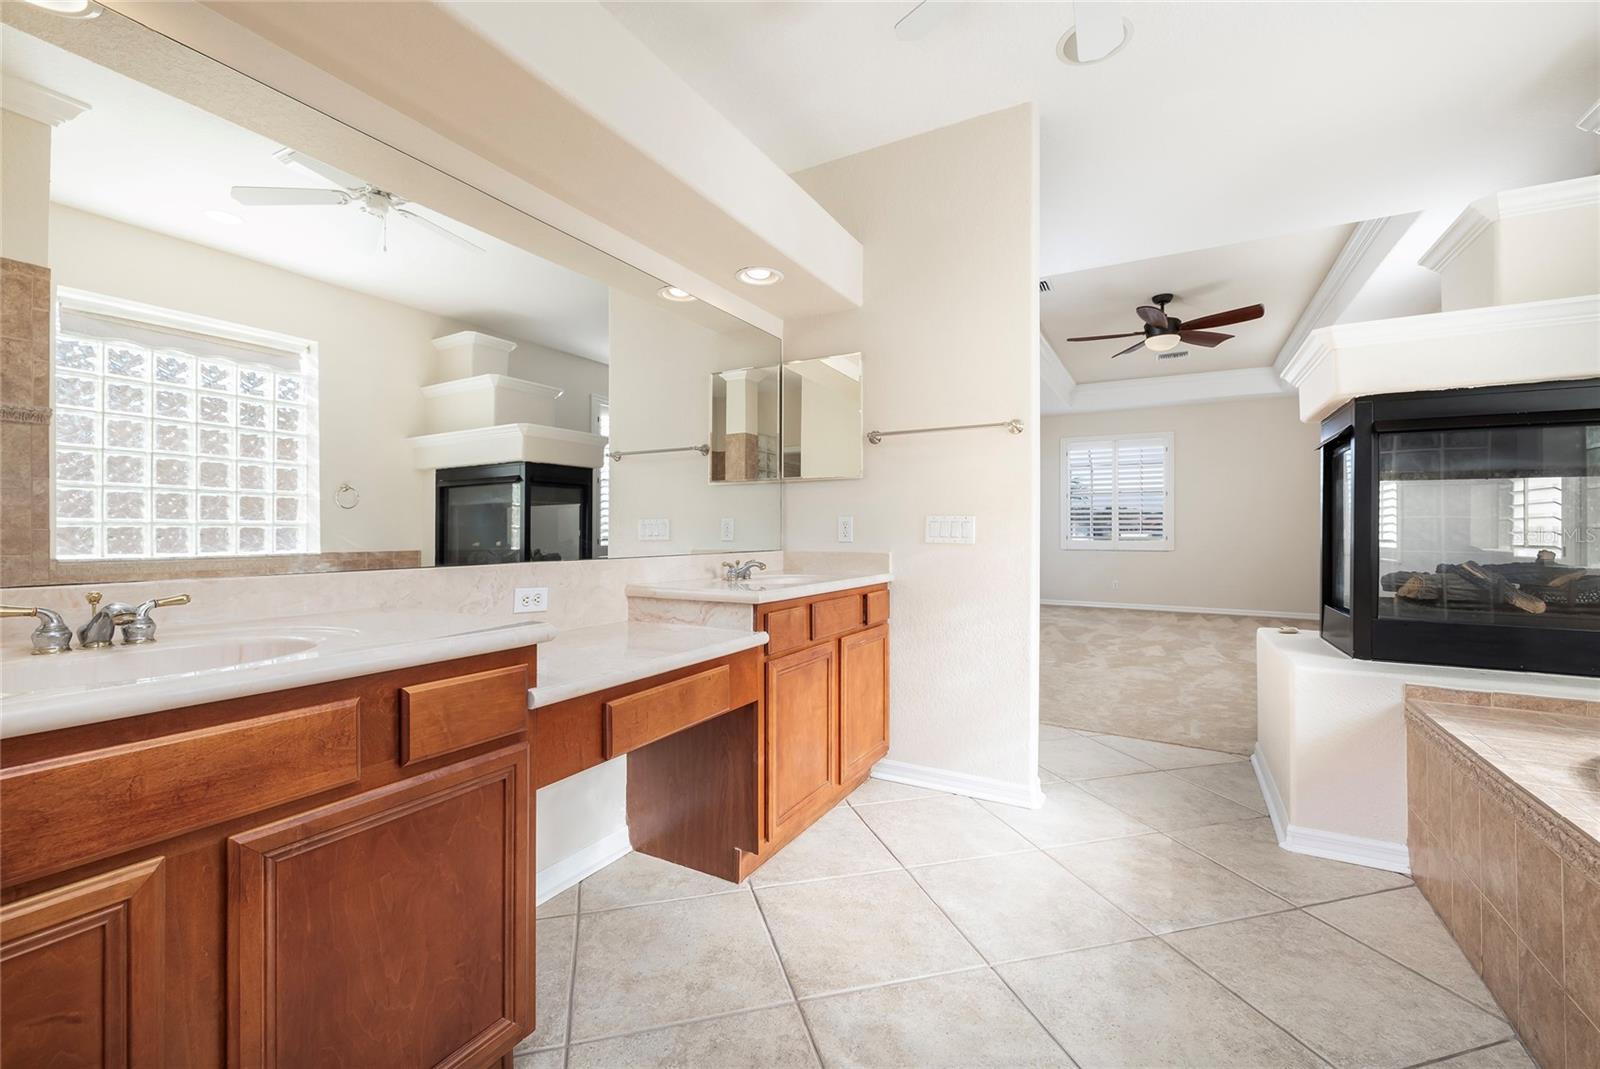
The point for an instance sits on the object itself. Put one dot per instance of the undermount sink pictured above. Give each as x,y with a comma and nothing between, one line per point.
772,582
162,659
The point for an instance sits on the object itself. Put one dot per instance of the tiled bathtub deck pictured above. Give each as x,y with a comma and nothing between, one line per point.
1144,917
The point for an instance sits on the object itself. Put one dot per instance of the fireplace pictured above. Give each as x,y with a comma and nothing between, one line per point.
1462,527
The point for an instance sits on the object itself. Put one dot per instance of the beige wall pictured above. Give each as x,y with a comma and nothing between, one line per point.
1245,515
949,335
24,189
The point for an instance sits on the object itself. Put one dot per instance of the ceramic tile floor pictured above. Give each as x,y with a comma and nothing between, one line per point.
1144,917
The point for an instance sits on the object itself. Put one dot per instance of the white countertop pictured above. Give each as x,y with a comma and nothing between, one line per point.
588,659
191,664
758,590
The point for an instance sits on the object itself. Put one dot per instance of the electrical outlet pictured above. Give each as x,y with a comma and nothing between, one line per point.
531,599
960,530
727,528
655,530
847,528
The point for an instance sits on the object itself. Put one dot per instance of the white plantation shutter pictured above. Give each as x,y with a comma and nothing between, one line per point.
1116,493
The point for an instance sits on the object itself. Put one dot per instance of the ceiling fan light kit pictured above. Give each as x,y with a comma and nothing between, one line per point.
1164,333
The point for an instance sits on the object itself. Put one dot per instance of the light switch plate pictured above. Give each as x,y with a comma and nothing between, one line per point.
951,530
655,530
727,528
530,599
847,528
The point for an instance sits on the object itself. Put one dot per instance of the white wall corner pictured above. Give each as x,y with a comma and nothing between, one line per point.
581,864
1363,253
1237,384
33,101
1055,381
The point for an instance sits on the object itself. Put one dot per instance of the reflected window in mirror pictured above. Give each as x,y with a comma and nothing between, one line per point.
177,436
822,431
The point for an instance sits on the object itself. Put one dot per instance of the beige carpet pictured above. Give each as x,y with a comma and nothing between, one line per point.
1184,678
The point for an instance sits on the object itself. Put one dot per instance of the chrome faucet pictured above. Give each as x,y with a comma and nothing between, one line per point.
51,636
142,628
103,623
737,572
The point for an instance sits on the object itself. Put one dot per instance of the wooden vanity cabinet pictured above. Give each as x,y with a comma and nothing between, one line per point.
826,706
197,887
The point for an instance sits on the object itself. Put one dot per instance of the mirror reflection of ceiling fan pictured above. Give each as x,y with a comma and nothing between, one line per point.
353,192
1163,333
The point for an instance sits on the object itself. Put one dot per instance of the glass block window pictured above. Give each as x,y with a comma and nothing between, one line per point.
172,439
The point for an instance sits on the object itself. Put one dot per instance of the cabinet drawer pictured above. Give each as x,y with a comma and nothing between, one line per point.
877,607
635,720
446,715
787,629
836,616
65,811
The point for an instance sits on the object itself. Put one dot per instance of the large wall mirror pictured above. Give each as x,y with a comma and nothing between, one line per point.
259,341
822,433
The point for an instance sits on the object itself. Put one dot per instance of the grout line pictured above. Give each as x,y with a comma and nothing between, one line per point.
777,954
679,1022
1514,1041
572,975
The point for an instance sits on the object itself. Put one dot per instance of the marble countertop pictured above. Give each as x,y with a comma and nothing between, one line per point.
588,659
759,589
1550,751
195,663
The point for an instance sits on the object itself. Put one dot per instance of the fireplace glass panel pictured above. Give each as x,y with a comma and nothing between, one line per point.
1496,525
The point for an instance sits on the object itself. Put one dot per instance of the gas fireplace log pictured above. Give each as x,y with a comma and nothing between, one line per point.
1428,586
1509,592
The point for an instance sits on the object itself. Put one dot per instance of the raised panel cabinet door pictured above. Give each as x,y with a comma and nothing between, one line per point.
391,928
81,967
802,728
863,700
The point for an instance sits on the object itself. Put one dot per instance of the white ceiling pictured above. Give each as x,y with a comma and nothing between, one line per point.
1218,123
1281,273
145,158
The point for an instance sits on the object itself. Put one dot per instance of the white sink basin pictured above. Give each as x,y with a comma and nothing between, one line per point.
777,582
162,659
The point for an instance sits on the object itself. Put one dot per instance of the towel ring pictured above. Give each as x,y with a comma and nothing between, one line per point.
346,493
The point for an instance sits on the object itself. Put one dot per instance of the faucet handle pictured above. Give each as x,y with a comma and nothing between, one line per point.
52,635
141,628
93,598
161,603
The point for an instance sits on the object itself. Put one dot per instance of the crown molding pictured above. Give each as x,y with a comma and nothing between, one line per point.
1469,225
490,384
1486,211
1363,252
1162,391
33,101
1591,119
475,338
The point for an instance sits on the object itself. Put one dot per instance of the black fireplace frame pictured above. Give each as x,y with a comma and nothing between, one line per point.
1360,631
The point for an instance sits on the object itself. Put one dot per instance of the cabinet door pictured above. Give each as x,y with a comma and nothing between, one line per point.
802,729
391,928
81,979
863,701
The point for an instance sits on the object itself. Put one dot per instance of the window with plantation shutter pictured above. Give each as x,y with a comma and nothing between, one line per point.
1116,493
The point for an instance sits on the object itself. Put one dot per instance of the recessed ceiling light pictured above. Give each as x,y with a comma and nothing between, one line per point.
217,215
1161,343
673,293
760,276
72,9
1067,47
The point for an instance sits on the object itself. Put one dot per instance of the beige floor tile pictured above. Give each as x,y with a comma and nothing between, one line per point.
564,904
1338,996
1079,758
1068,816
636,879
1163,884
1141,1004
542,1059
1165,802
927,831
1046,777
762,1039
1023,905
553,985
1251,849
883,790
961,1021
838,844
1165,754
1402,925
859,930
1235,781
1055,731
673,961
1508,1055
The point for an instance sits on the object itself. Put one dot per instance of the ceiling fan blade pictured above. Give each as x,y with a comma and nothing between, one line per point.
289,196
1228,318
1203,337
343,179
1107,337
424,221
1129,349
1153,315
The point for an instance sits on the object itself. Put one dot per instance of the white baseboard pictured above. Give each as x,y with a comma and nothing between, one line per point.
1333,845
1006,792
1180,608
567,872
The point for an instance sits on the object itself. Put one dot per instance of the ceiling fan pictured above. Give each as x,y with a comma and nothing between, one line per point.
1163,333
366,197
